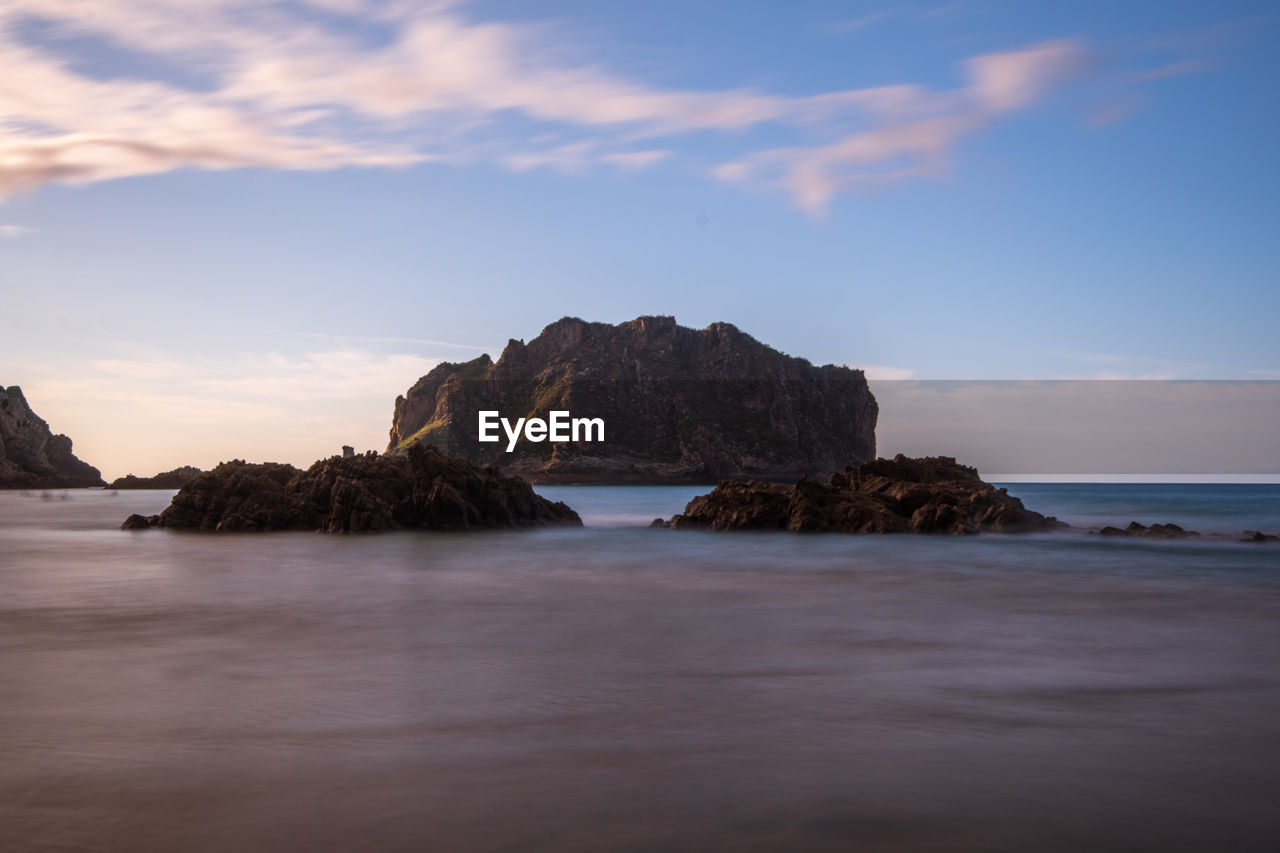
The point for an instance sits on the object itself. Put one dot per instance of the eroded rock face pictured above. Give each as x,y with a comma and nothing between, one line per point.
679,405
31,456
175,479
420,488
899,495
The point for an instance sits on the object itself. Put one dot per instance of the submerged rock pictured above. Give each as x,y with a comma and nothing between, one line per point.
1155,531
899,495
175,479
420,488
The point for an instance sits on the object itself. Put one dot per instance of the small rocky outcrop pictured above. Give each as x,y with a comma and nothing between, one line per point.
1154,531
899,495
679,405
420,489
175,479
1259,536
31,456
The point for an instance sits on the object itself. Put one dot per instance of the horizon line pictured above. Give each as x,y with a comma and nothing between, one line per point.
1154,479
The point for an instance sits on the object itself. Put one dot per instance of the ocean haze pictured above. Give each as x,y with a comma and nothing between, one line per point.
1141,430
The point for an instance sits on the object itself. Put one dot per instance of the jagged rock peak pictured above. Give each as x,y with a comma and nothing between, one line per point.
31,456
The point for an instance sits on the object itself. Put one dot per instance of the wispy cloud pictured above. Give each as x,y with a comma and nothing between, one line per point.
1111,366
860,23
322,84
918,128
885,372
9,232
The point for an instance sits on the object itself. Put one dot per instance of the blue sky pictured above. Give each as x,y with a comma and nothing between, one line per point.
248,226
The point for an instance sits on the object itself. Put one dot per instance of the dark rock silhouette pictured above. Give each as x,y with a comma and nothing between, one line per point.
1155,531
899,495
1259,536
679,405
420,488
31,456
175,479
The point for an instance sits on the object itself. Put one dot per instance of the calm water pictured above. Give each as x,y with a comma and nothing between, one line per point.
619,688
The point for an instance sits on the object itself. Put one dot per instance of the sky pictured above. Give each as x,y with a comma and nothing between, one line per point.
239,229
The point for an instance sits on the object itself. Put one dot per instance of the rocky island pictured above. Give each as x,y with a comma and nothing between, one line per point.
175,479
681,405
31,456
418,489
899,495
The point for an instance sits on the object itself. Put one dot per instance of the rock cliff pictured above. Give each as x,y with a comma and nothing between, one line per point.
679,405
420,488
175,479
31,456
901,495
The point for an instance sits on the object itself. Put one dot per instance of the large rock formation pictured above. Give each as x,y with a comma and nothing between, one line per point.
175,479
679,405
902,495
31,456
420,488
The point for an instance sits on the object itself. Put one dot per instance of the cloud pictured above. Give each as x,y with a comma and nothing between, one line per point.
854,25
1110,366
636,159
137,369
324,84
319,376
884,372
9,232
919,129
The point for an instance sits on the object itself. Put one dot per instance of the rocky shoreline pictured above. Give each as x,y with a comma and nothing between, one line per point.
419,489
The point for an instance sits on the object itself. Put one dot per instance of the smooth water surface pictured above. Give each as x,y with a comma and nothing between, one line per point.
623,688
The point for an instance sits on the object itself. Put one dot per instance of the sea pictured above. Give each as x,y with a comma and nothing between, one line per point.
618,687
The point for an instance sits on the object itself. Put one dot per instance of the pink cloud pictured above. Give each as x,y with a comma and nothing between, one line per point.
286,93
918,137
